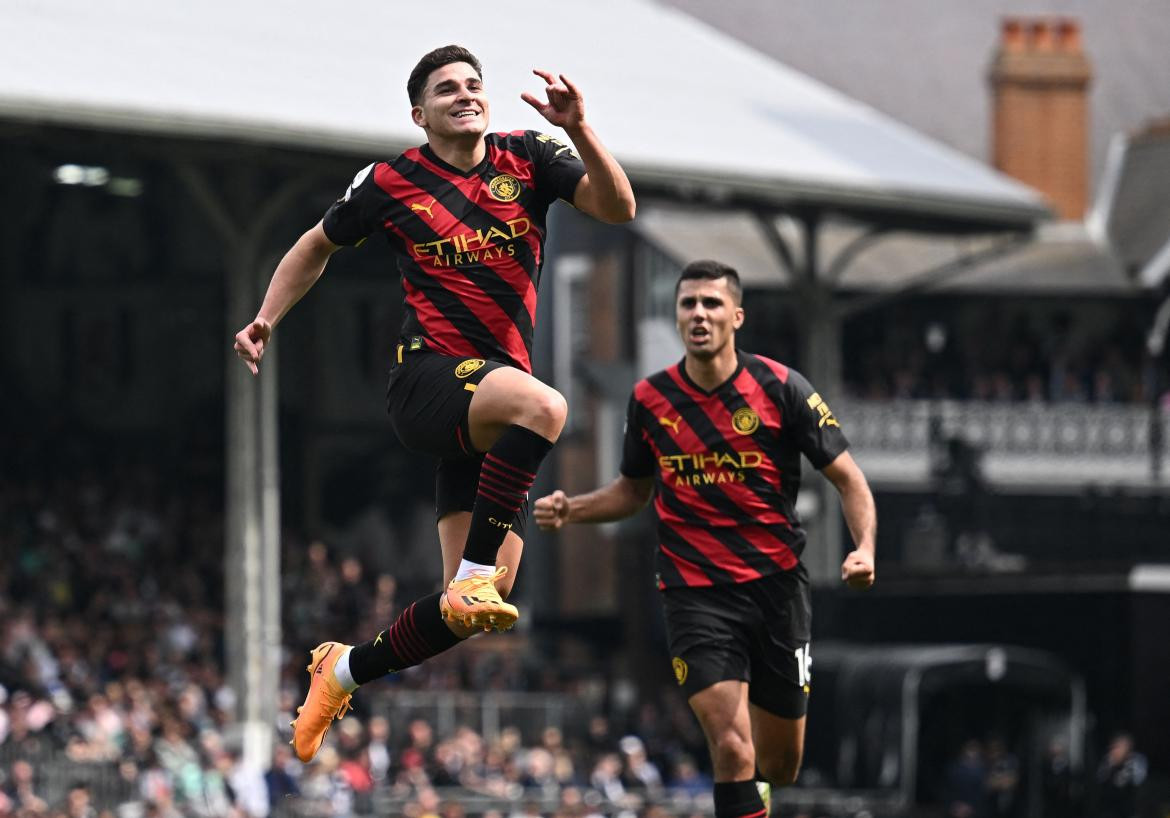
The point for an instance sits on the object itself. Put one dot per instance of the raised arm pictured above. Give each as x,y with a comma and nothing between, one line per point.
860,515
604,192
622,498
300,268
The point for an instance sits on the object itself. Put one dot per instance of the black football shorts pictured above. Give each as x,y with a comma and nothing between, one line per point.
757,632
427,398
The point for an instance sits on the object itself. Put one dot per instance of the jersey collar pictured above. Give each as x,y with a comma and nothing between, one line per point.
425,150
682,372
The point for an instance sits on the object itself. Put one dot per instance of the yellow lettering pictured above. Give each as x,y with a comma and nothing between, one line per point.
511,250
708,478
515,225
473,255
680,481
495,231
740,478
750,460
725,460
458,258
708,459
814,400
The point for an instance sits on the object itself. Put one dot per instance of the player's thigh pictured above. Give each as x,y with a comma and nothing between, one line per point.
453,530
507,396
780,651
779,744
706,636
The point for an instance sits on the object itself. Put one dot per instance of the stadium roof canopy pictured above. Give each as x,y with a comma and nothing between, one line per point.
688,110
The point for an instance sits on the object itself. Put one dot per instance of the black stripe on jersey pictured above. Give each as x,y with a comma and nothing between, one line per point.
703,427
466,211
717,499
701,562
668,574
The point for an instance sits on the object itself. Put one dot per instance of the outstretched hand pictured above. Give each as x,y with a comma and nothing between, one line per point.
251,342
565,107
857,570
551,512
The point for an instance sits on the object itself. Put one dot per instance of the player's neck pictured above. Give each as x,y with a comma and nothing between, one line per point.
711,373
462,153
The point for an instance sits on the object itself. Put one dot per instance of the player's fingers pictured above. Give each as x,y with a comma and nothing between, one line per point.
544,75
244,347
573,90
533,101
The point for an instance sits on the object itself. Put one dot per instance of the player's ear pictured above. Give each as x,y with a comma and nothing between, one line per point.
420,119
738,318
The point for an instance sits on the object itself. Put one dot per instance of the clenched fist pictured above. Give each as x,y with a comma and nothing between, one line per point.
551,512
857,570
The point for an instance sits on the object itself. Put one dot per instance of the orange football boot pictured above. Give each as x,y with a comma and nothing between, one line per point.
326,701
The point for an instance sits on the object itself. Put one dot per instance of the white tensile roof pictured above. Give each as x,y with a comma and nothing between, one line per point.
677,102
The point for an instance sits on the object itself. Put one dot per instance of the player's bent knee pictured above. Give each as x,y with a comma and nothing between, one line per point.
546,412
780,771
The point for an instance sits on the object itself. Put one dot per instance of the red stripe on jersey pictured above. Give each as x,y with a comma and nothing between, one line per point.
452,279
716,411
716,552
779,369
768,543
691,574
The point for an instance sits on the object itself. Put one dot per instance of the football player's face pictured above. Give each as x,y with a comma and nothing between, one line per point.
707,316
453,103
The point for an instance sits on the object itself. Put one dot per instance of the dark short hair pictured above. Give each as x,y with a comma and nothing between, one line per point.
433,61
712,271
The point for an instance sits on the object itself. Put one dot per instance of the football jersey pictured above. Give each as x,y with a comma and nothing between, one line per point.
468,244
726,467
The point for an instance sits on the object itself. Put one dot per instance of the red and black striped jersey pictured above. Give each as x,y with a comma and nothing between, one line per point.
469,244
726,467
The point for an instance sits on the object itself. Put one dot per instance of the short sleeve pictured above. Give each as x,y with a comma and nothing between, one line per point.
558,167
353,217
810,423
637,456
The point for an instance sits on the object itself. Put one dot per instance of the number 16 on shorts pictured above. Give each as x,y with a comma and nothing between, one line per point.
804,666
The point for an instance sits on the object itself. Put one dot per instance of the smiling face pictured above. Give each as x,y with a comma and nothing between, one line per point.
453,104
707,316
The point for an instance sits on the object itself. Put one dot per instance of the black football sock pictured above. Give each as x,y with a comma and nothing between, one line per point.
507,473
738,799
417,634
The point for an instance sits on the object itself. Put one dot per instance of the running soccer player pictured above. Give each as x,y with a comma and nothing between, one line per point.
465,218
717,440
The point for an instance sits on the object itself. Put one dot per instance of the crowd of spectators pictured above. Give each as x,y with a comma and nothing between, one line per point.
984,355
114,703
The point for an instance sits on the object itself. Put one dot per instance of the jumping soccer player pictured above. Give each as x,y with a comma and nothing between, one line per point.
717,439
465,217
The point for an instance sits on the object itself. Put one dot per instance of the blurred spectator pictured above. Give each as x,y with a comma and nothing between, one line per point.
965,785
1056,778
1003,779
1120,778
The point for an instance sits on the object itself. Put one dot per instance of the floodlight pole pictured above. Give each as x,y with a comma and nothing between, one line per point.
252,631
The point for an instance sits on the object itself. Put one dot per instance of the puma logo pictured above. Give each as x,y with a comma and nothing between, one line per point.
673,424
415,206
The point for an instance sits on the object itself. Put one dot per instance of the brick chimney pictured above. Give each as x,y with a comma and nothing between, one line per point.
1040,80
